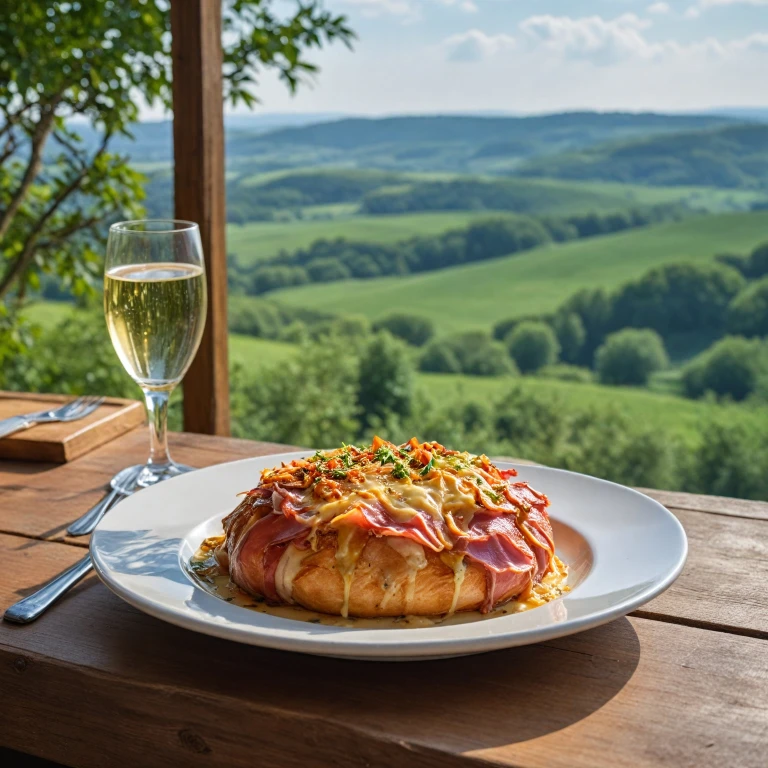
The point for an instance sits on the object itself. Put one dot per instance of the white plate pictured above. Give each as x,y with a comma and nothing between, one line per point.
622,549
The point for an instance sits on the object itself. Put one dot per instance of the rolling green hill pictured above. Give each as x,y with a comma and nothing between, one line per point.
261,240
730,157
534,282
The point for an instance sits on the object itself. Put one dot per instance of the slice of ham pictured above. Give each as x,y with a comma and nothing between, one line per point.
374,516
255,553
495,542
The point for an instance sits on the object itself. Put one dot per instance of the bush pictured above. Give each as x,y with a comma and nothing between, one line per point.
327,271
491,359
730,460
294,333
748,312
439,357
630,356
414,329
321,385
571,335
732,367
593,307
254,317
268,278
533,345
387,379
677,298
758,261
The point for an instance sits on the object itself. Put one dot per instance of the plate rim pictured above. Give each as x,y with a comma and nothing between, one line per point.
404,650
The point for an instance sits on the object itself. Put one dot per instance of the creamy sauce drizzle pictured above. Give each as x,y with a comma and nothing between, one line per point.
207,574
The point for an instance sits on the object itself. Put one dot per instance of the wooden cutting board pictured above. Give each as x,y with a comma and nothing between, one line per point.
64,441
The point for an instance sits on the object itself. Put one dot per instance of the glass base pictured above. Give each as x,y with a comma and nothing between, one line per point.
151,474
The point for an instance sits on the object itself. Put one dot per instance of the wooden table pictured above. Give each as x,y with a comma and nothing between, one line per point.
682,682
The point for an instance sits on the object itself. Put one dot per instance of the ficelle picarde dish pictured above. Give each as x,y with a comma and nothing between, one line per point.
388,531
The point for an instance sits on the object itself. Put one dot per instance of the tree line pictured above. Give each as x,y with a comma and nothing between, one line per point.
326,261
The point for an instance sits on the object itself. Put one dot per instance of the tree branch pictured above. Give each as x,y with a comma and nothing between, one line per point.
22,262
40,136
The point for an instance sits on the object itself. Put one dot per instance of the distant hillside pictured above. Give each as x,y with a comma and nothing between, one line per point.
577,128
728,157
449,143
459,144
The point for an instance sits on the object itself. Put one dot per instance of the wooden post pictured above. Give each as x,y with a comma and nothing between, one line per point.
198,148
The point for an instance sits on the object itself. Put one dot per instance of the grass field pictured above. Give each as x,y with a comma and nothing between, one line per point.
261,240
536,281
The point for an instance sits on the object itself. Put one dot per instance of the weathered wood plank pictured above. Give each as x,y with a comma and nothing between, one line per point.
632,693
199,189
723,583
41,500
719,505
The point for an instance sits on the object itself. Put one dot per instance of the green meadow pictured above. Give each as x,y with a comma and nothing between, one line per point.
536,281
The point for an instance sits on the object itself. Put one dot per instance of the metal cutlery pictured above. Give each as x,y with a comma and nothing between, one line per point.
76,409
36,604
119,487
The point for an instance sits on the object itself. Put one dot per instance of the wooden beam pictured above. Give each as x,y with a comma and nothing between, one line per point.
198,139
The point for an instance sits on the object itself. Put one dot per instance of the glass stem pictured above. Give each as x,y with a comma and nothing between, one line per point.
157,410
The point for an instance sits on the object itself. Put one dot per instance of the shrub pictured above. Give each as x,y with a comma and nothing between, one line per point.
439,357
731,367
267,279
491,359
254,317
327,271
387,379
677,297
321,384
533,345
729,460
758,261
571,335
748,312
294,333
630,356
593,307
414,329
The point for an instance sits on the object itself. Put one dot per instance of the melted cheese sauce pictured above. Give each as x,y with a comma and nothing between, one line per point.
209,576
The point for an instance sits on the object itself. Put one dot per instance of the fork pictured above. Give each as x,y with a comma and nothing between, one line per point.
76,409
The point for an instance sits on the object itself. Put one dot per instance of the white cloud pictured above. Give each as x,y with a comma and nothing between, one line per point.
607,42
658,8
600,40
692,12
474,45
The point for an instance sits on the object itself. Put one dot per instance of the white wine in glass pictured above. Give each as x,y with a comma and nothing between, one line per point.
155,305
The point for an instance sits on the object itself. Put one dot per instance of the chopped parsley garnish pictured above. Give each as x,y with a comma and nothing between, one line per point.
400,471
428,467
338,474
479,480
385,455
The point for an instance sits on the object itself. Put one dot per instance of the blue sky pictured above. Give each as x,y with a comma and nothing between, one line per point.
416,56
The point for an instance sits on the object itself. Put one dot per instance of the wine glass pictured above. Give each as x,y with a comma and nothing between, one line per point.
155,304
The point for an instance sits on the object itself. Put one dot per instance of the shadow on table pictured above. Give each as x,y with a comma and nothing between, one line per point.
462,704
